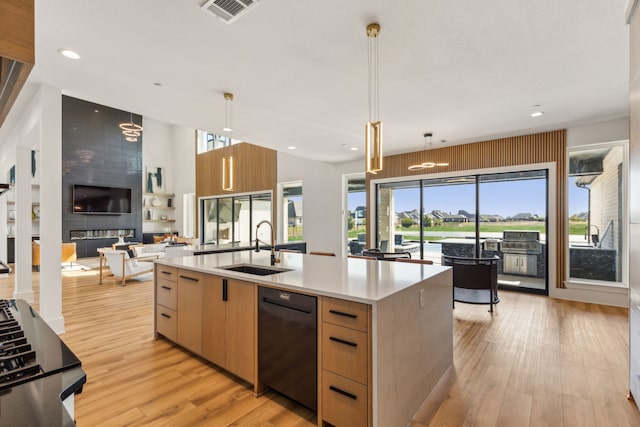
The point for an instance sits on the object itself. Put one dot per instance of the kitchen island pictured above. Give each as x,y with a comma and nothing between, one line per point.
399,313
179,250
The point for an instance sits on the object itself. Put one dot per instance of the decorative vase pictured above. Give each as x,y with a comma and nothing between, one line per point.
169,202
120,240
156,202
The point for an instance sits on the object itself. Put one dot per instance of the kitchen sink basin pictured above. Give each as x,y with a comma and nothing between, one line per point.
258,270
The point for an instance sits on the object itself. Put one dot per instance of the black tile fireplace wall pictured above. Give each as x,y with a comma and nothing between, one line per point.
95,152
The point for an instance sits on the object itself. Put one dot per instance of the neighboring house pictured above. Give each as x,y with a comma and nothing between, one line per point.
524,217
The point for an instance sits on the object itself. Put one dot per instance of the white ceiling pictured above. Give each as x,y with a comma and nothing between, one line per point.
464,70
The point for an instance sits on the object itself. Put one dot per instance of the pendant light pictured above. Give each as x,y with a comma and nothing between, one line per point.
130,130
228,113
373,129
426,165
227,161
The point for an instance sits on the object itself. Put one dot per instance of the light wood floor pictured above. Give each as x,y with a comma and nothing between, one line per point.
536,362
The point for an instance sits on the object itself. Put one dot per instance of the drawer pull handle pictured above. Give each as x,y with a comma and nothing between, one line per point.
166,315
344,393
341,341
166,272
193,279
342,313
166,287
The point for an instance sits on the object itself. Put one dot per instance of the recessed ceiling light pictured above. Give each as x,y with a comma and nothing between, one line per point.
291,147
96,111
68,54
354,148
227,129
157,84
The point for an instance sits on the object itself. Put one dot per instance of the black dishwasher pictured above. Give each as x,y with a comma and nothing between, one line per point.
287,344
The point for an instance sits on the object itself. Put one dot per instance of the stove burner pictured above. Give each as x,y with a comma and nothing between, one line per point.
17,358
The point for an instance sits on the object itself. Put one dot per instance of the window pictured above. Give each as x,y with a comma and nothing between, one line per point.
207,141
292,212
356,215
231,219
596,213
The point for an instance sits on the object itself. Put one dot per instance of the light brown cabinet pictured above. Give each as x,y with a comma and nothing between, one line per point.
229,315
166,292
346,367
190,286
254,169
216,318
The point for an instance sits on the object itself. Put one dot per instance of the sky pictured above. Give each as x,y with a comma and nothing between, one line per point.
506,198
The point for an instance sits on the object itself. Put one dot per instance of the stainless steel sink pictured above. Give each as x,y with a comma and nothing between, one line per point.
258,270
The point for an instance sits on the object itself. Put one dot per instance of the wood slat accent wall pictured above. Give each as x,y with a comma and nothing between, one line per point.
254,169
17,44
17,30
519,150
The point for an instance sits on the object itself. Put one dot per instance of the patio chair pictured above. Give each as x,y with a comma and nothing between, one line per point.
475,280
124,267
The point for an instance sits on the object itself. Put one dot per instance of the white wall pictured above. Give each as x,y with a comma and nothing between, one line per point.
608,131
184,166
321,199
173,148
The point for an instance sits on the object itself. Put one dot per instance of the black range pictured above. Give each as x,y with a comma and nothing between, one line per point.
37,369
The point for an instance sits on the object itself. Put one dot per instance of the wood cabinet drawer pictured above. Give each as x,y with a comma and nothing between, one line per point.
189,277
167,293
346,313
344,352
344,402
167,322
166,273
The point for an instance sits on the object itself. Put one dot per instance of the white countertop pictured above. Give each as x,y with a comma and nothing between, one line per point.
352,279
224,247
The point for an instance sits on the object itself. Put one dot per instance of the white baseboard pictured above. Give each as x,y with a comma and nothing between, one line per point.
606,295
27,296
56,324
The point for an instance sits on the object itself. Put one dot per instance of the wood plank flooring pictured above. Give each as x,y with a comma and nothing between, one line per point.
535,362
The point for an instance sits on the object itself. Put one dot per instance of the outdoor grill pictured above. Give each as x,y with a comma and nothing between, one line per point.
520,252
521,242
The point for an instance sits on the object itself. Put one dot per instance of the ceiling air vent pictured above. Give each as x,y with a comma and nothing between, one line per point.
229,10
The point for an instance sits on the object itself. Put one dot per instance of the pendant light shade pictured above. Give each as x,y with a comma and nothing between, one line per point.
228,112
227,161
130,130
373,129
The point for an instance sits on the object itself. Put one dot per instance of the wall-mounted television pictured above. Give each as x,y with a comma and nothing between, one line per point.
93,199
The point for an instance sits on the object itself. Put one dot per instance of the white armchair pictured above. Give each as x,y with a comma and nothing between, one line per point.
124,267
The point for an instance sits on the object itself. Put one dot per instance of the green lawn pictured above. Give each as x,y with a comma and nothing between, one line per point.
575,228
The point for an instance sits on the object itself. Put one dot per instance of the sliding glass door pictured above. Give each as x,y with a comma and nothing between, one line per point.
470,216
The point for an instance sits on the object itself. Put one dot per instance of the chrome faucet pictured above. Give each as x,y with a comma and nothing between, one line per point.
274,260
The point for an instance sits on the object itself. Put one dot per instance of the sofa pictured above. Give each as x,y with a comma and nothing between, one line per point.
148,251
69,254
